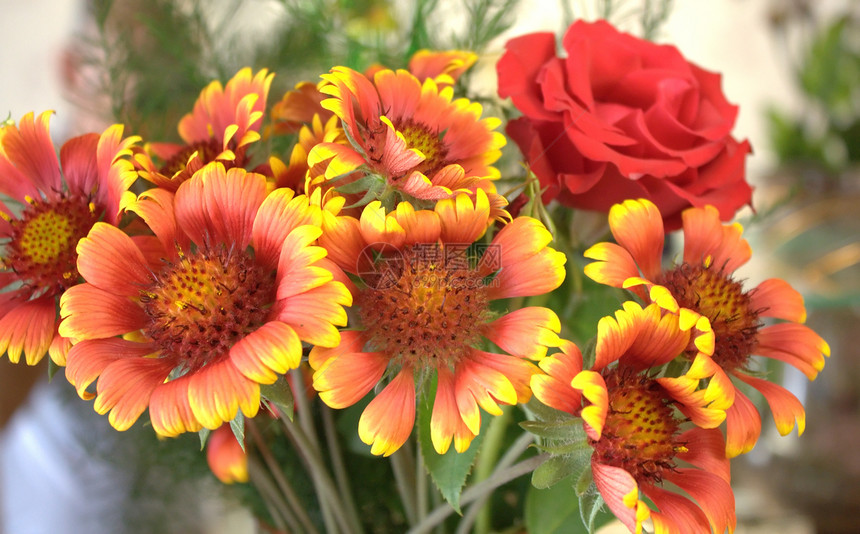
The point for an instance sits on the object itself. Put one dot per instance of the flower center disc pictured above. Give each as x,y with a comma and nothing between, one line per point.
43,242
638,435
430,144
427,314
724,302
205,303
207,151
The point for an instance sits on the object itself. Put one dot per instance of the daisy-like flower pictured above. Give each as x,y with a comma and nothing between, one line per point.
191,321
704,283
225,120
413,137
638,437
60,201
424,311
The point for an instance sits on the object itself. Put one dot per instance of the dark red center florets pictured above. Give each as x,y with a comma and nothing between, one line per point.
42,249
424,313
205,303
723,301
639,435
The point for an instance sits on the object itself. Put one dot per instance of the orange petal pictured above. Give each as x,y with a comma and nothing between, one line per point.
109,260
676,513
776,298
553,388
422,226
156,208
479,386
621,493
713,495
706,449
88,359
743,426
616,334
638,227
614,264
347,377
315,313
272,349
795,344
785,407
388,420
445,423
593,388
378,227
89,313
28,329
125,386
215,206
463,219
280,213
217,392
170,409
526,332
296,270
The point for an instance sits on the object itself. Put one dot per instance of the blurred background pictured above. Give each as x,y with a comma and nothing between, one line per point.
793,67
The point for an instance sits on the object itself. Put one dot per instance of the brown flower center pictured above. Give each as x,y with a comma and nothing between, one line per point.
424,312
430,144
205,303
207,151
723,301
639,433
41,250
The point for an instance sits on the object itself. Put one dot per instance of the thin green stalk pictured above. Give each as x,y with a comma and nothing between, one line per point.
283,484
498,478
325,487
278,509
338,466
517,448
402,464
487,459
421,484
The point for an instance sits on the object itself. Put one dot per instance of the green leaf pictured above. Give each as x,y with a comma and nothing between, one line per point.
204,435
450,470
281,395
557,468
592,511
52,369
568,430
552,511
237,425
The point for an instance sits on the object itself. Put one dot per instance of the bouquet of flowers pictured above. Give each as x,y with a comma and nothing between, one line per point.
354,260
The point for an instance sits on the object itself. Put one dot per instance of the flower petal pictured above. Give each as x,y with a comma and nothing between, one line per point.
170,409
388,420
638,227
272,349
28,329
109,260
89,313
445,423
526,332
125,386
217,392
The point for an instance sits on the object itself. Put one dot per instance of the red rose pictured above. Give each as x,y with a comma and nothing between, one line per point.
619,118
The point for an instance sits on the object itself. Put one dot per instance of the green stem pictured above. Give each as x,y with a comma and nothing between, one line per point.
296,506
494,439
517,448
279,511
329,497
499,478
403,466
340,473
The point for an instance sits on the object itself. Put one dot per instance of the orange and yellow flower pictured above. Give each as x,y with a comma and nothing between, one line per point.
61,199
630,418
704,283
189,322
225,120
413,136
423,311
